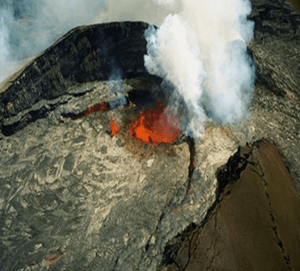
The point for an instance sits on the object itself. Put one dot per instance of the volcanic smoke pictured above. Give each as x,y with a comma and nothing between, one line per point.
27,27
200,47
202,51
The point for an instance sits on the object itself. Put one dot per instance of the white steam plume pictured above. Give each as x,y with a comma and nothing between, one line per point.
203,51
115,84
173,54
150,11
3,36
200,46
27,27
5,66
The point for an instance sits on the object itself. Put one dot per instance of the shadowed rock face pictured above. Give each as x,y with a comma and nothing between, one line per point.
275,106
85,54
73,197
255,224
296,3
274,47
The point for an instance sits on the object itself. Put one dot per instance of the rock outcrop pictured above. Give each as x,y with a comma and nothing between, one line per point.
255,224
275,107
85,54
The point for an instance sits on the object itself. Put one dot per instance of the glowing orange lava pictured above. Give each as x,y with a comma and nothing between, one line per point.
157,126
113,127
97,107
152,127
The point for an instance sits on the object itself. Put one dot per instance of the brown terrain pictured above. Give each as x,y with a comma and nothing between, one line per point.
296,3
255,225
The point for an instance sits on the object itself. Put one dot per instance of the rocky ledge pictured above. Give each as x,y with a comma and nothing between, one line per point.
85,54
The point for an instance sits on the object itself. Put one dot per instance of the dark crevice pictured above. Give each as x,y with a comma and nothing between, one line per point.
196,243
171,249
116,263
189,251
148,98
79,94
34,115
231,172
148,244
191,143
31,116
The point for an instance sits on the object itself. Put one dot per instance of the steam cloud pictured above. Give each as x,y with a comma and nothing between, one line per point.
200,46
202,51
27,27
116,89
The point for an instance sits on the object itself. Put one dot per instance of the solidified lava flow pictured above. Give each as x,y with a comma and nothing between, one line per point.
157,126
191,144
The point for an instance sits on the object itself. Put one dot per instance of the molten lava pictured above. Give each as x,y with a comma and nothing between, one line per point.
113,127
152,127
157,126
97,107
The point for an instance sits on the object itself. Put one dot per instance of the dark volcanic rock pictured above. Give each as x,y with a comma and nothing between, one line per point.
275,105
275,46
255,224
296,4
85,54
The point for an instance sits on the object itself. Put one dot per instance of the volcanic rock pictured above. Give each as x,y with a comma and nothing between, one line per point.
296,3
255,224
72,193
85,54
275,106
73,197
